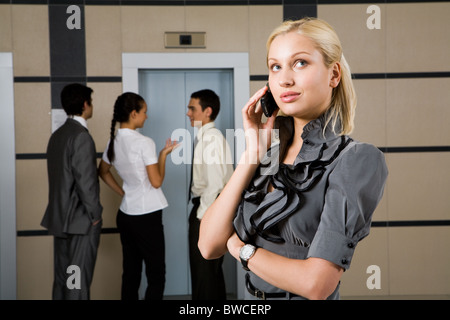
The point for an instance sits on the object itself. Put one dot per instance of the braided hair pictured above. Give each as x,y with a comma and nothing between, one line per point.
124,105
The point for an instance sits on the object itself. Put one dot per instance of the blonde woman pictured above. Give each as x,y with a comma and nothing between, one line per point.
295,227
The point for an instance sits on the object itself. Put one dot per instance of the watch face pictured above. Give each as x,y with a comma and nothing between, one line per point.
247,252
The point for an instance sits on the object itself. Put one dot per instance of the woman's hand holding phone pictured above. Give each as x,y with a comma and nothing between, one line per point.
268,103
257,133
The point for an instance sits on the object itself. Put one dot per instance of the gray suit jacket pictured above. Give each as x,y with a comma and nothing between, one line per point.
73,202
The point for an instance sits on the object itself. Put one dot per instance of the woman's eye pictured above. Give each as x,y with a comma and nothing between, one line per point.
275,67
299,64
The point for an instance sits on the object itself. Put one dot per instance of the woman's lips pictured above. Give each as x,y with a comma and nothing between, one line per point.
289,96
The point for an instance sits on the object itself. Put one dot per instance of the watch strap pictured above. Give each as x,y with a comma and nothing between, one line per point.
244,262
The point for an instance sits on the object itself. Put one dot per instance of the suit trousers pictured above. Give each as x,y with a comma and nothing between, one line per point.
208,282
142,238
74,262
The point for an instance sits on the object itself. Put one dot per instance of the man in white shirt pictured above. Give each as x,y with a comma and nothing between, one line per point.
211,169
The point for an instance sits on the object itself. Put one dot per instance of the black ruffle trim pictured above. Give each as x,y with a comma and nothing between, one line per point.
289,182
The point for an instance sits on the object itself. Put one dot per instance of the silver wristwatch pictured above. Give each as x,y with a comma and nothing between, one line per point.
246,252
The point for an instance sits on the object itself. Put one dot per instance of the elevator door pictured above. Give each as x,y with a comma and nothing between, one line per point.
167,93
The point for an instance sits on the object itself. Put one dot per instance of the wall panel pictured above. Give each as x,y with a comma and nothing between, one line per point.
103,41
418,112
32,117
417,37
226,27
419,261
262,20
30,40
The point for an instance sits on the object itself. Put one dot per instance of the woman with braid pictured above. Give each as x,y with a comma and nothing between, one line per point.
139,218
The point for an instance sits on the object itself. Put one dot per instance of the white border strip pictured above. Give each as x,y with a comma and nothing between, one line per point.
237,61
8,271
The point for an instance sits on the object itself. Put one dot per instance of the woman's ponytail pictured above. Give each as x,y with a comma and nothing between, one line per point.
110,153
124,105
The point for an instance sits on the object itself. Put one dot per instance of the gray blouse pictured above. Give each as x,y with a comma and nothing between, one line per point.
321,206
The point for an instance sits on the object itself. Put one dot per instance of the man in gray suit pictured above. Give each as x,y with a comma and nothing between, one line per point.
74,212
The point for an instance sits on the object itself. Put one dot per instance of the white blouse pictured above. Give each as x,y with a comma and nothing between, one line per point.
133,152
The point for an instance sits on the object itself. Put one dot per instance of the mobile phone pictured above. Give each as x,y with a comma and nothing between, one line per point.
268,103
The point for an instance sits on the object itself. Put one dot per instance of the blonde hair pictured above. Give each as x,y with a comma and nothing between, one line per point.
343,100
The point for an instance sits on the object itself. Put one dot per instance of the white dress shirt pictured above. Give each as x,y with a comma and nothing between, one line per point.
133,152
212,166
81,120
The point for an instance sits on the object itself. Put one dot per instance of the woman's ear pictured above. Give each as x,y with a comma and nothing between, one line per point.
335,76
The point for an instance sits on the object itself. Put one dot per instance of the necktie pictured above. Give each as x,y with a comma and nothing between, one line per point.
192,169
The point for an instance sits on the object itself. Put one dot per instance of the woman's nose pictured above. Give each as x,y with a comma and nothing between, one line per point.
286,79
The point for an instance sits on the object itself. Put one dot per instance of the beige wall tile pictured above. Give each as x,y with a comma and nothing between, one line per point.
103,41
381,212
226,27
364,48
255,86
370,118
419,260
143,27
104,97
107,280
373,250
418,185
32,113
262,21
30,40
34,268
31,193
5,28
418,112
417,37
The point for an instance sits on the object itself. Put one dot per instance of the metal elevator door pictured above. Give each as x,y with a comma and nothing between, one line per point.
167,93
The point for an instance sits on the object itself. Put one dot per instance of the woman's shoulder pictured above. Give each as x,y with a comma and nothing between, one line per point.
363,148
138,136
362,156
135,138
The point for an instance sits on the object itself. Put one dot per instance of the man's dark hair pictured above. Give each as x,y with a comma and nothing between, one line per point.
208,98
73,97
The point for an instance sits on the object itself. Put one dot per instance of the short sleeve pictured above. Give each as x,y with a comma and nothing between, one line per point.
149,151
355,187
105,154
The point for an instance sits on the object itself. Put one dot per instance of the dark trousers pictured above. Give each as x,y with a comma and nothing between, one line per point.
74,262
207,278
142,238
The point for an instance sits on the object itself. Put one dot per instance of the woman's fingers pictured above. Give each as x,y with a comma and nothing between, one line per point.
252,104
170,145
271,120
